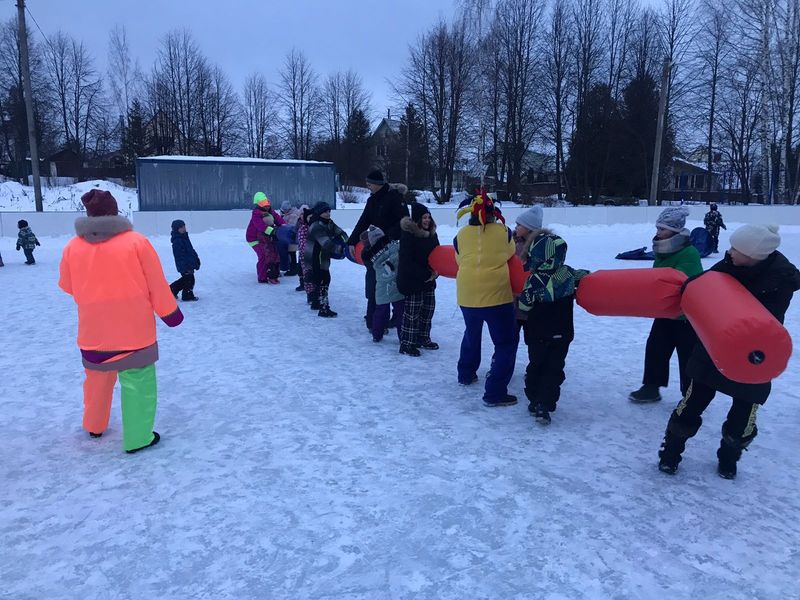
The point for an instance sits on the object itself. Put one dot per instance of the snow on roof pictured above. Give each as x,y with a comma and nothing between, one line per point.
234,159
696,165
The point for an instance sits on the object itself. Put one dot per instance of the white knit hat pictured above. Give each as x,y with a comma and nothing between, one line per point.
673,218
756,241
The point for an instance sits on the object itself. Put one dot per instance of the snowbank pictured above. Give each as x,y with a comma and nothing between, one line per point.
16,197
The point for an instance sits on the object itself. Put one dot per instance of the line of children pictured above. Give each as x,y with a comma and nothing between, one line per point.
186,262
325,240
26,241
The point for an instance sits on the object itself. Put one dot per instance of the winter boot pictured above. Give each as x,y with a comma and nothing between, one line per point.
509,400
645,394
541,414
324,307
156,439
95,435
730,451
429,345
675,437
302,285
409,350
313,299
468,382
293,269
189,297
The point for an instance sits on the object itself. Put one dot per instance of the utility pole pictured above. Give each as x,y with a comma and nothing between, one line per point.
662,107
26,85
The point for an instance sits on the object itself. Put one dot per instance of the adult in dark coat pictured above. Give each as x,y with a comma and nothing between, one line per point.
416,280
755,262
384,210
186,261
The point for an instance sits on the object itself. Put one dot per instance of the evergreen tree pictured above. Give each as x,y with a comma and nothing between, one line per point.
356,147
134,139
414,151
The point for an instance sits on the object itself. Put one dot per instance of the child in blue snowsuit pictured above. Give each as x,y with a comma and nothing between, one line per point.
186,261
26,241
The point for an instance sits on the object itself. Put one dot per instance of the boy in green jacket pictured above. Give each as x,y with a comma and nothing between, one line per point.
673,248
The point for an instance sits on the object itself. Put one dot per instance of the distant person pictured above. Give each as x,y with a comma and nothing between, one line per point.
713,221
186,261
116,279
26,241
754,261
384,209
483,291
672,247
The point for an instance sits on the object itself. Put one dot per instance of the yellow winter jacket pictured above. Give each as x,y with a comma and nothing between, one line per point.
482,255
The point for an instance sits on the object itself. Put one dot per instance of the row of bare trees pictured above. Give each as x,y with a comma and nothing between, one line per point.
498,81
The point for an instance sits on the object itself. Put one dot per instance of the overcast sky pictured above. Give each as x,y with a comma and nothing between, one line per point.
244,36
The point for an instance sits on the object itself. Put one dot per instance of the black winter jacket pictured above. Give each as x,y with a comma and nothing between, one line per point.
416,245
384,209
186,258
773,281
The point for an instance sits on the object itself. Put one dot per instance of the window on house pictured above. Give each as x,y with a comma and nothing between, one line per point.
699,182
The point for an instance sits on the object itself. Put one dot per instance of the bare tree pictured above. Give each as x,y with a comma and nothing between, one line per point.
517,31
124,75
714,48
301,103
588,18
342,93
218,111
177,74
77,90
559,77
439,76
260,117
622,15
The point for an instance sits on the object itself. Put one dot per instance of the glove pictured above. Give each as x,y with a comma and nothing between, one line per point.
173,319
37,243
270,232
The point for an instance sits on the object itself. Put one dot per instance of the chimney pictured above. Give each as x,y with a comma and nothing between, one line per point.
389,113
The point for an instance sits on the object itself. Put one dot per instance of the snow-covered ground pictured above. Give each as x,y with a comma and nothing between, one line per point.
17,197
300,460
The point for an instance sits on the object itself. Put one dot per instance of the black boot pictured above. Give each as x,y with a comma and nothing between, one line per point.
541,414
324,307
675,437
156,439
302,285
293,270
646,393
313,299
189,296
409,350
730,451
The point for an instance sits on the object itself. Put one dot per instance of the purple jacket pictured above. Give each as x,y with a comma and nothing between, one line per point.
256,228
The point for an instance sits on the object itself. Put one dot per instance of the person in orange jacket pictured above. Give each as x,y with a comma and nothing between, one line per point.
115,277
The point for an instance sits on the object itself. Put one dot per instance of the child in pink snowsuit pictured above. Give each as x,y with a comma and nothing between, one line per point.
261,237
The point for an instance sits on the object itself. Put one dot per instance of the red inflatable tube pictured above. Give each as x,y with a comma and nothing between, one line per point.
443,261
517,274
654,293
746,343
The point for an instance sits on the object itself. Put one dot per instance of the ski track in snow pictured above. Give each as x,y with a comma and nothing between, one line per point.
300,460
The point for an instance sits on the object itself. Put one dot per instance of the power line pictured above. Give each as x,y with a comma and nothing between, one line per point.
37,26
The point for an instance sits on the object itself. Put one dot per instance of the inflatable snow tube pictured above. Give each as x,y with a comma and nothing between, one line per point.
654,293
443,260
359,248
517,274
746,343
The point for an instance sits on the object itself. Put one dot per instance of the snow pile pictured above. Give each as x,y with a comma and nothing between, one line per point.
16,197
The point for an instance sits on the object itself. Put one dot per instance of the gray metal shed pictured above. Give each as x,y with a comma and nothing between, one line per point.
224,183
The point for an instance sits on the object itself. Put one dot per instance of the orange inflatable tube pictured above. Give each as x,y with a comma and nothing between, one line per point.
746,343
654,293
443,260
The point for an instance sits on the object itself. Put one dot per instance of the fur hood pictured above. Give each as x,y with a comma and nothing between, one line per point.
409,226
100,229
